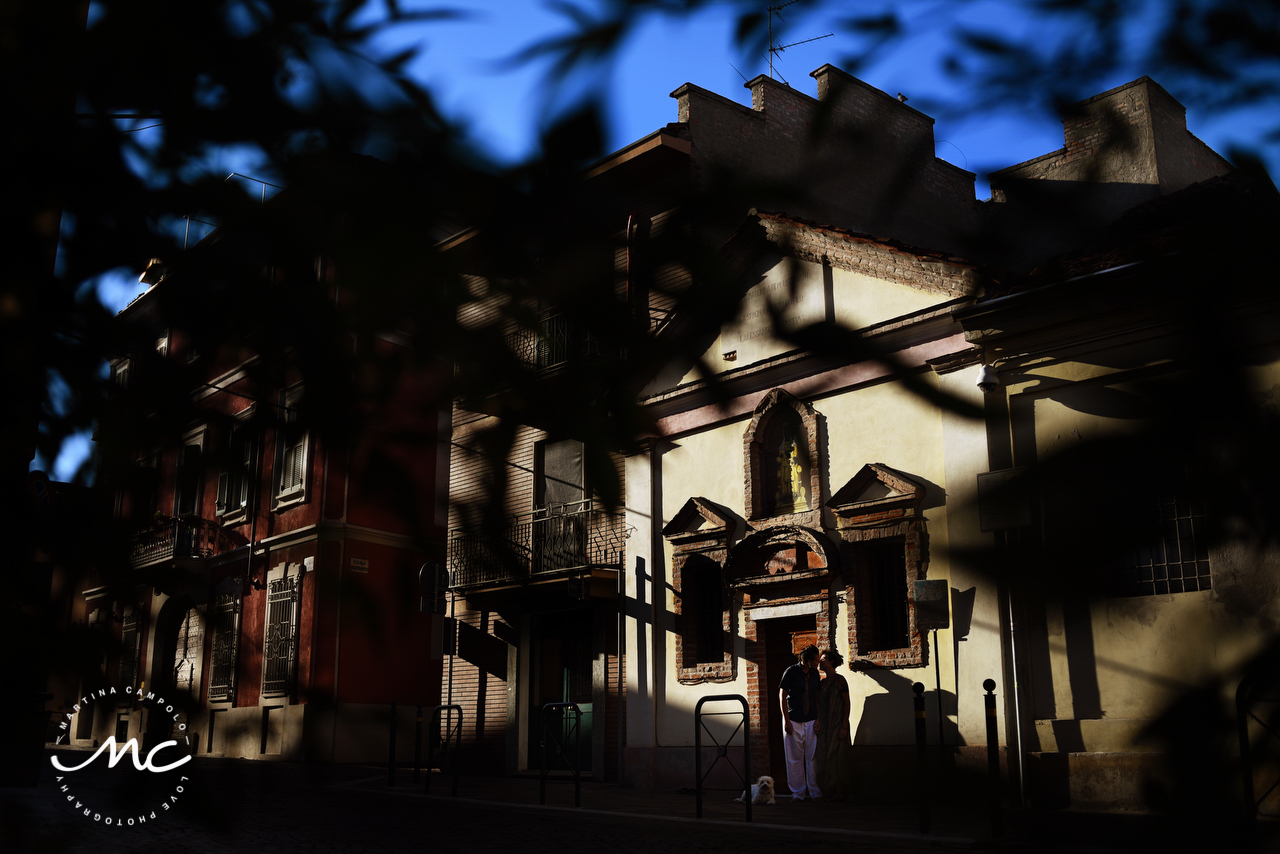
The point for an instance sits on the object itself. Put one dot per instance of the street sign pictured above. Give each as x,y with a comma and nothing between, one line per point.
933,605
433,578
1003,504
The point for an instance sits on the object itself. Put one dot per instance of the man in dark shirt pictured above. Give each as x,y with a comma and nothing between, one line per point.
798,696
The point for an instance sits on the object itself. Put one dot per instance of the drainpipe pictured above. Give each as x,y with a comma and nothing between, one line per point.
453,618
620,651
631,222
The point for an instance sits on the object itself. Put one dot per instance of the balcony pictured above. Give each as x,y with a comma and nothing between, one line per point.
187,537
557,341
551,542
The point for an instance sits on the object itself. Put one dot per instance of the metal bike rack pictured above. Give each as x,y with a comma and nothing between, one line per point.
450,732
570,759
723,749
1251,693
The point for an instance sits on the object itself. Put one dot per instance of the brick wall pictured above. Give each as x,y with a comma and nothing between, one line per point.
475,678
883,259
865,160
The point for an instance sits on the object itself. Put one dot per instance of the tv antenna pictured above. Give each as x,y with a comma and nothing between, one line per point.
779,48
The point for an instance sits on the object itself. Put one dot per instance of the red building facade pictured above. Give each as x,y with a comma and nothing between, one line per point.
272,592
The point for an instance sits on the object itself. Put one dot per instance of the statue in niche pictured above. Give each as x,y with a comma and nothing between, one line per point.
790,495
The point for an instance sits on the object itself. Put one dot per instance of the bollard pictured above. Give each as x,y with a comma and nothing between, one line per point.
391,754
417,746
449,732
922,750
993,756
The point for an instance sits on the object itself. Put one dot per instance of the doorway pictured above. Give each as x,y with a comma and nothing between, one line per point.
561,672
781,639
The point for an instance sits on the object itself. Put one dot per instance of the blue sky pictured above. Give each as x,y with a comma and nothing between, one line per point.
462,63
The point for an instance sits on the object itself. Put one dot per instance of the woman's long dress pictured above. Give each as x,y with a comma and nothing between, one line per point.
835,747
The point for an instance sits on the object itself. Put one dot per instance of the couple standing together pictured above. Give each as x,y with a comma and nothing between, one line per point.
815,727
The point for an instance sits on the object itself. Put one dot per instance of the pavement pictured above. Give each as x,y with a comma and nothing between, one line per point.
240,805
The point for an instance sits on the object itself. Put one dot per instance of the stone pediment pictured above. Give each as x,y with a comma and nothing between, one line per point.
876,494
700,519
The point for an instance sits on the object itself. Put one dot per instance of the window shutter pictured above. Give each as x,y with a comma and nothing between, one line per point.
246,472
224,478
299,462
291,471
293,456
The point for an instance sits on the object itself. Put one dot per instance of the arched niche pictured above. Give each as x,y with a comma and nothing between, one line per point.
782,469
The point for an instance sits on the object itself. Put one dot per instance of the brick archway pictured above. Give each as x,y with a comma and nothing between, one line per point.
786,576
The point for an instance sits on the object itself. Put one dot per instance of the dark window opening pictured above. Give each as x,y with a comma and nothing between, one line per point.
705,608
234,477
560,474
883,617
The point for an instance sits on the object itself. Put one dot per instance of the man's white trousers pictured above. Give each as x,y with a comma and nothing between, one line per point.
801,747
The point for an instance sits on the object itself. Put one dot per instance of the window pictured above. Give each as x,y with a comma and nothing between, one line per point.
291,455
1174,557
144,492
186,655
226,625
704,611
560,522
560,479
699,537
129,647
189,487
885,550
883,611
280,633
236,473
120,374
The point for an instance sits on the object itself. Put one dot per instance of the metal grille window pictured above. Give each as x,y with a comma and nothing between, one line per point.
278,651
186,654
1175,556
226,611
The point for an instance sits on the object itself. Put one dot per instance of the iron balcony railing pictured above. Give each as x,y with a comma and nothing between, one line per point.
556,340
179,537
556,539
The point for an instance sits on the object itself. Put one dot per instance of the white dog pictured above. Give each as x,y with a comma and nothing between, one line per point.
761,792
